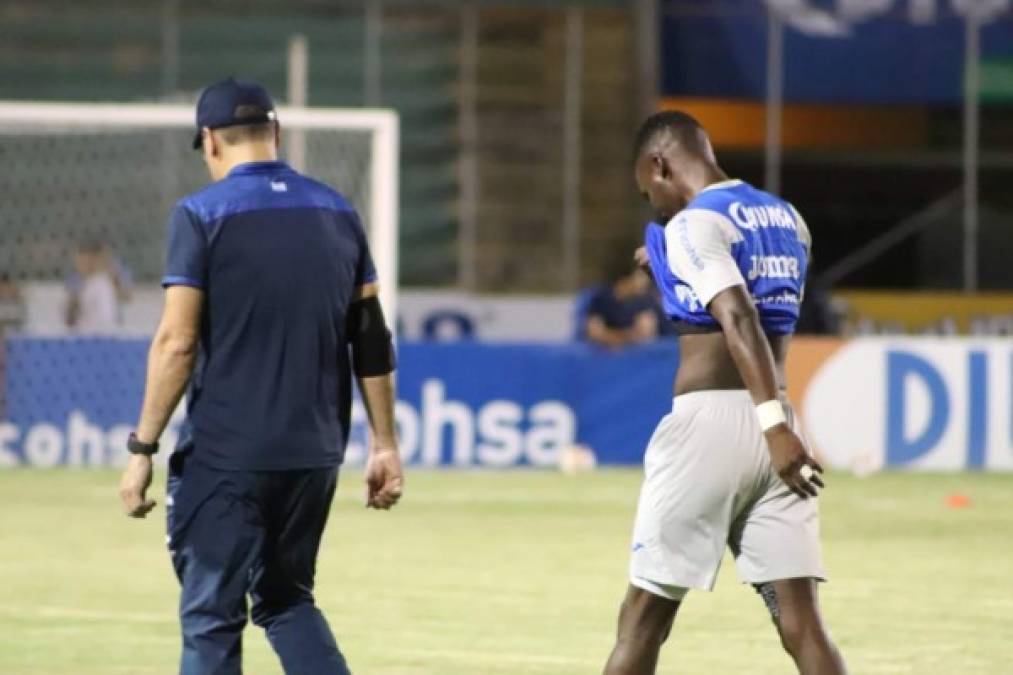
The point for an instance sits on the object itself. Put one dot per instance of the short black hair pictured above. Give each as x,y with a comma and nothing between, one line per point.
241,133
256,130
683,126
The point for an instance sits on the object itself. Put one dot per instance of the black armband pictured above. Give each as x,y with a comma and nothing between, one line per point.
372,347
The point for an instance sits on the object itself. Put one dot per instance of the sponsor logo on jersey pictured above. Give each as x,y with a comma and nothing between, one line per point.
688,297
785,298
681,225
773,267
762,216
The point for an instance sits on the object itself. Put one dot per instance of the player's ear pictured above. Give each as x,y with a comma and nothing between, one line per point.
208,141
277,135
659,166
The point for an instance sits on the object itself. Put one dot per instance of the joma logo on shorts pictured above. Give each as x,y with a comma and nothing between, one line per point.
773,267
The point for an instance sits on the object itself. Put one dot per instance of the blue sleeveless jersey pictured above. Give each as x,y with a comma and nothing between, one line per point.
766,239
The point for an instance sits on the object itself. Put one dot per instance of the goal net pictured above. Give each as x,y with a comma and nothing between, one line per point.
86,191
109,173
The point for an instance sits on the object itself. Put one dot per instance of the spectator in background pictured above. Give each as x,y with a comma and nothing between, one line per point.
12,307
93,305
12,315
620,313
817,315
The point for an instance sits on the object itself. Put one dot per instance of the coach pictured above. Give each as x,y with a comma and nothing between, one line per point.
269,286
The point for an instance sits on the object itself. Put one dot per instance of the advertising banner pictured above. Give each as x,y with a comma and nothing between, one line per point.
74,401
926,313
914,403
907,402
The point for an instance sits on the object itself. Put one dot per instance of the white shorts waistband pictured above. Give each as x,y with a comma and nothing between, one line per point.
713,396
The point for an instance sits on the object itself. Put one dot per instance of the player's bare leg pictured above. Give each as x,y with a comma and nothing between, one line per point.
645,620
794,607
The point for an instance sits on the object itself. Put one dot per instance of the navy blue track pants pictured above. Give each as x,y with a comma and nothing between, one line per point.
234,534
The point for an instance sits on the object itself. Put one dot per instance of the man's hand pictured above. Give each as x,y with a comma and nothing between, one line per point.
384,480
790,460
134,484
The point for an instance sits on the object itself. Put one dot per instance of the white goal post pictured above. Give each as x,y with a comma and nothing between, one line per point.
377,200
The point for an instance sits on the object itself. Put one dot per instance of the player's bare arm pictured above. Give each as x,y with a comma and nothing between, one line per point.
384,475
170,362
754,360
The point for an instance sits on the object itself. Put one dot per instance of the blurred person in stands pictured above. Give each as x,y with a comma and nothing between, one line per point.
94,267
12,306
818,314
93,305
622,312
12,316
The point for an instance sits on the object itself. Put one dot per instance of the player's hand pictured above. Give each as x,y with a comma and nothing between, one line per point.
644,260
134,485
384,479
797,469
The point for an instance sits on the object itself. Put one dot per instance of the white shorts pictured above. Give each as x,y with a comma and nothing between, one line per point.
708,481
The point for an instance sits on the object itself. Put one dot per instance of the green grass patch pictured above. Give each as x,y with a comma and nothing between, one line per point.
514,573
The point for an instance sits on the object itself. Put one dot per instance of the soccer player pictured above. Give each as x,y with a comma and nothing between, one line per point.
269,285
727,464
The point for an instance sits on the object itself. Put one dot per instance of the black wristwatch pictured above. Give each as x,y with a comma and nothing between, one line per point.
135,447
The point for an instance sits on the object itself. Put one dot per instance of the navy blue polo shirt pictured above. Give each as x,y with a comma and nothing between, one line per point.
279,257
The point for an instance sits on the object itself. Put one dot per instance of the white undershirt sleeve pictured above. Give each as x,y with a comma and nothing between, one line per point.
699,252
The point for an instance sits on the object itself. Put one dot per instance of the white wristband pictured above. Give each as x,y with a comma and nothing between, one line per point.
770,414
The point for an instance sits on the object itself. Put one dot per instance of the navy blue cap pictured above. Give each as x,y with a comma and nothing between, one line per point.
231,103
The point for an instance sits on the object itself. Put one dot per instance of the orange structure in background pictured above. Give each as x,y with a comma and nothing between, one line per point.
740,124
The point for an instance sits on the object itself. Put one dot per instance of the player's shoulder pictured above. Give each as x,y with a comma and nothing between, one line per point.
804,235
778,202
740,205
706,215
193,201
235,194
200,204
324,194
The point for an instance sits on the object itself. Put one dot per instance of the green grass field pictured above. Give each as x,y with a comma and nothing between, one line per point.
514,573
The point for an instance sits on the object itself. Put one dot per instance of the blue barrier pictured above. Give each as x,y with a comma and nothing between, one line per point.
73,401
